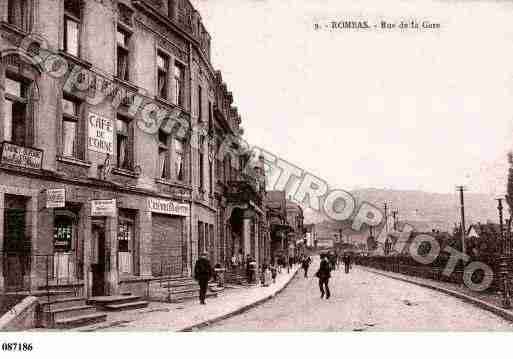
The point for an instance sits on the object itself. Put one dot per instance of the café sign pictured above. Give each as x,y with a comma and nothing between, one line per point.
55,198
21,156
103,208
100,137
168,207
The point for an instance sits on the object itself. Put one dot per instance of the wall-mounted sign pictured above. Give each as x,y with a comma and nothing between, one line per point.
103,208
55,198
168,207
100,136
21,156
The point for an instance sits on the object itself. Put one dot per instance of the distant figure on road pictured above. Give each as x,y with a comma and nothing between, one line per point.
332,260
305,264
324,276
347,262
202,273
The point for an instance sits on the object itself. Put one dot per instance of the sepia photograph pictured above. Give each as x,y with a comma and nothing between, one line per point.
238,169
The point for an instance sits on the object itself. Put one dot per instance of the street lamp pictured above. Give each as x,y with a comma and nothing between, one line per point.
503,261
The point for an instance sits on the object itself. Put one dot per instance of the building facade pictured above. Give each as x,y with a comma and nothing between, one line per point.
120,158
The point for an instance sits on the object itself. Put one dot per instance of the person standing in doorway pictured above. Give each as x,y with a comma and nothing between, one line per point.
203,273
324,276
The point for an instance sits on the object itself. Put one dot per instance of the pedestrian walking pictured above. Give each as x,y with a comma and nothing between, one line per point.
332,260
306,264
324,276
203,273
347,262
273,273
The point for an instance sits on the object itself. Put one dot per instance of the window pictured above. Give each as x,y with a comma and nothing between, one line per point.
72,27
201,238
63,234
162,75
211,169
123,41
16,118
201,159
179,159
210,122
70,124
200,98
179,85
124,145
164,170
125,243
18,13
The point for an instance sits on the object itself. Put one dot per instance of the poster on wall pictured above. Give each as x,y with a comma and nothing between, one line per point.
100,137
103,208
55,198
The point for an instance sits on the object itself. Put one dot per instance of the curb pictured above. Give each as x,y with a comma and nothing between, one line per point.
503,313
240,310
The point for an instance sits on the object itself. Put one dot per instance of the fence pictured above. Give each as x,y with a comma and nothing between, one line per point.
434,271
20,268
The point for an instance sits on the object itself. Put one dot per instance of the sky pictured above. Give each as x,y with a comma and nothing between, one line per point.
398,109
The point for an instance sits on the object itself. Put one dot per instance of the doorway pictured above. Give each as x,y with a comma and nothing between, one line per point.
99,265
17,247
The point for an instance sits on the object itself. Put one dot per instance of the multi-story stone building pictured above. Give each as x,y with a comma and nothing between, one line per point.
120,154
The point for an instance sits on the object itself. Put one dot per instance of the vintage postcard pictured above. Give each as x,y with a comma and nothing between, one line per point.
254,166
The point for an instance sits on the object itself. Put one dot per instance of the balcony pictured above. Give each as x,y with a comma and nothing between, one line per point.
244,189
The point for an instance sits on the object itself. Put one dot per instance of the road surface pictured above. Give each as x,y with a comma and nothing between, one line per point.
362,301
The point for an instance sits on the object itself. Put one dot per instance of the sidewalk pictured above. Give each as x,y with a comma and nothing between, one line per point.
190,315
488,301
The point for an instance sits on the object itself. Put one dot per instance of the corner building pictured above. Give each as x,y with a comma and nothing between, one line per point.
93,197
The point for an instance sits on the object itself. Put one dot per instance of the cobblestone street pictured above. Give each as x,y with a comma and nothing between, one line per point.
362,301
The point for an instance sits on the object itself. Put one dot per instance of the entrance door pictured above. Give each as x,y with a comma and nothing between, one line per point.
16,249
98,267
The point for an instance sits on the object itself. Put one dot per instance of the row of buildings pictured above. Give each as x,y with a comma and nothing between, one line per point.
94,196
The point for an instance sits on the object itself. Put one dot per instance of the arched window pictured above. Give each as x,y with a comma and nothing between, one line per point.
20,99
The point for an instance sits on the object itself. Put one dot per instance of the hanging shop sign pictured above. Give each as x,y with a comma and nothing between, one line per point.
100,137
55,198
103,208
164,206
21,156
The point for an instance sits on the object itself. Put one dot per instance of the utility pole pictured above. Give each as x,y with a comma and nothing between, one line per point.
386,219
394,214
462,206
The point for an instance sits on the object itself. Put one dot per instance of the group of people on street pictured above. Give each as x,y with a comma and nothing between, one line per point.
203,271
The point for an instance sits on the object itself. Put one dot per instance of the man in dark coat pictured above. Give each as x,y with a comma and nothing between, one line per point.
202,273
347,262
324,276
306,264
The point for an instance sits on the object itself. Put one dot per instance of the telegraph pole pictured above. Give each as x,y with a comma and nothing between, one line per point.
386,218
462,206
394,214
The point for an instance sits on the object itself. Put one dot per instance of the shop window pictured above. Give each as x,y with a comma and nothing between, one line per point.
125,243
16,114
164,170
123,52
162,75
72,21
179,78
64,259
18,13
70,127
124,143
179,159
